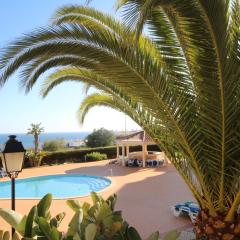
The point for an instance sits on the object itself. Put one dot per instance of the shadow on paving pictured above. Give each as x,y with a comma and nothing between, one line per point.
113,170
146,196
147,204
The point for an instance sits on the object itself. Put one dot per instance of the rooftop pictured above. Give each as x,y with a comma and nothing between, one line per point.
140,136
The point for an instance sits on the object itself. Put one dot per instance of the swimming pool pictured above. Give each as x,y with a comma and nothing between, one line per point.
61,186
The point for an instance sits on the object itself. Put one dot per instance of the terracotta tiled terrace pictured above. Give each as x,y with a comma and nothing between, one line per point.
145,195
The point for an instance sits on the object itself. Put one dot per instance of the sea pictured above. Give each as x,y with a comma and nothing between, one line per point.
27,140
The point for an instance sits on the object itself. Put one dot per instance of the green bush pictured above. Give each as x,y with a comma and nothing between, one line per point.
33,159
95,156
100,138
53,145
99,221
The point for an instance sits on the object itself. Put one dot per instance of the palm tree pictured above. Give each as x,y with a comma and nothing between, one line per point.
35,130
180,82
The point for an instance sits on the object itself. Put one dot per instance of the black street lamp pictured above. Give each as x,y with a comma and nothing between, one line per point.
12,160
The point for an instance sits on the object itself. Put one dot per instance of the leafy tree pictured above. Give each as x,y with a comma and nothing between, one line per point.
181,83
35,130
100,138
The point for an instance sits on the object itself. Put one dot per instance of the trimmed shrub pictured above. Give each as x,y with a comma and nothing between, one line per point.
95,156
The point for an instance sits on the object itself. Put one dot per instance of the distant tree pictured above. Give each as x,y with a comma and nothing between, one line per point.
35,130
53,145
100,138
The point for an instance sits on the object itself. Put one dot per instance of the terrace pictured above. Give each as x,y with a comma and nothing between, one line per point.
147,193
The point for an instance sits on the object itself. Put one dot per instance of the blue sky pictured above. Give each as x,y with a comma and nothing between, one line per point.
57,112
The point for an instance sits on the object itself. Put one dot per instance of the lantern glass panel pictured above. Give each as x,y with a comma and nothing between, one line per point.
14,162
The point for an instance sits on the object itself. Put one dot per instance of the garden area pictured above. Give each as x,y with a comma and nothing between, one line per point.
173,67
99,145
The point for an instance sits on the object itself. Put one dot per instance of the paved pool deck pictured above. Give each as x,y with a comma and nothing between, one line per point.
145,195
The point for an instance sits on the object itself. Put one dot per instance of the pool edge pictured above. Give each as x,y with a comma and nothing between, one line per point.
63,198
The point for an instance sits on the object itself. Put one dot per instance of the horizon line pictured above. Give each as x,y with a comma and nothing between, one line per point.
86,131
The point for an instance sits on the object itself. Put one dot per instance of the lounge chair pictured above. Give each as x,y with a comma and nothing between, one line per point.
188,208
155,162
129,162
139,162
134,163
149,163
113,161
3,173
161,162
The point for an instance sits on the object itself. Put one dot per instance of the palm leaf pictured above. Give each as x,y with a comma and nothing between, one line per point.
181,82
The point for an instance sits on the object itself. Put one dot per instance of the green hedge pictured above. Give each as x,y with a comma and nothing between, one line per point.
75,155
59,157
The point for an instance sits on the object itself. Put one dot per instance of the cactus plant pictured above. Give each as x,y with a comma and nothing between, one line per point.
98,221
34,224
6,236
101,222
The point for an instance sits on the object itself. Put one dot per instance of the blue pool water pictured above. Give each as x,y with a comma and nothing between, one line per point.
61,186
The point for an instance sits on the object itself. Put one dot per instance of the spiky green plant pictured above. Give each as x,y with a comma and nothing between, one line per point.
179,81
89,222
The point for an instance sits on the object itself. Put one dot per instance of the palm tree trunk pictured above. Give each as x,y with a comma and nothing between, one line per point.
35,144
209,228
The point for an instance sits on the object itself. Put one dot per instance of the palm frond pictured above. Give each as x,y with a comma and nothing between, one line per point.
180,83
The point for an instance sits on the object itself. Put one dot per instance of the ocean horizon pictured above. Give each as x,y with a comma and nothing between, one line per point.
27,140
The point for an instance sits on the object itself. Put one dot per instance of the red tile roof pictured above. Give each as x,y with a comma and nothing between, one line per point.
137,136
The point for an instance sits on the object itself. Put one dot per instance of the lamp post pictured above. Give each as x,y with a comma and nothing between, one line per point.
12,160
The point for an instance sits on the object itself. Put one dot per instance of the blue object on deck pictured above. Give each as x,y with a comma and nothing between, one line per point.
187,208
133,163
154,163
61,186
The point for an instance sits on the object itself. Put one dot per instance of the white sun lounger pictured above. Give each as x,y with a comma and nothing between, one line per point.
3,173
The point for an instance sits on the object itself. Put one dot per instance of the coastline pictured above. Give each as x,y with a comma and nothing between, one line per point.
27,140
